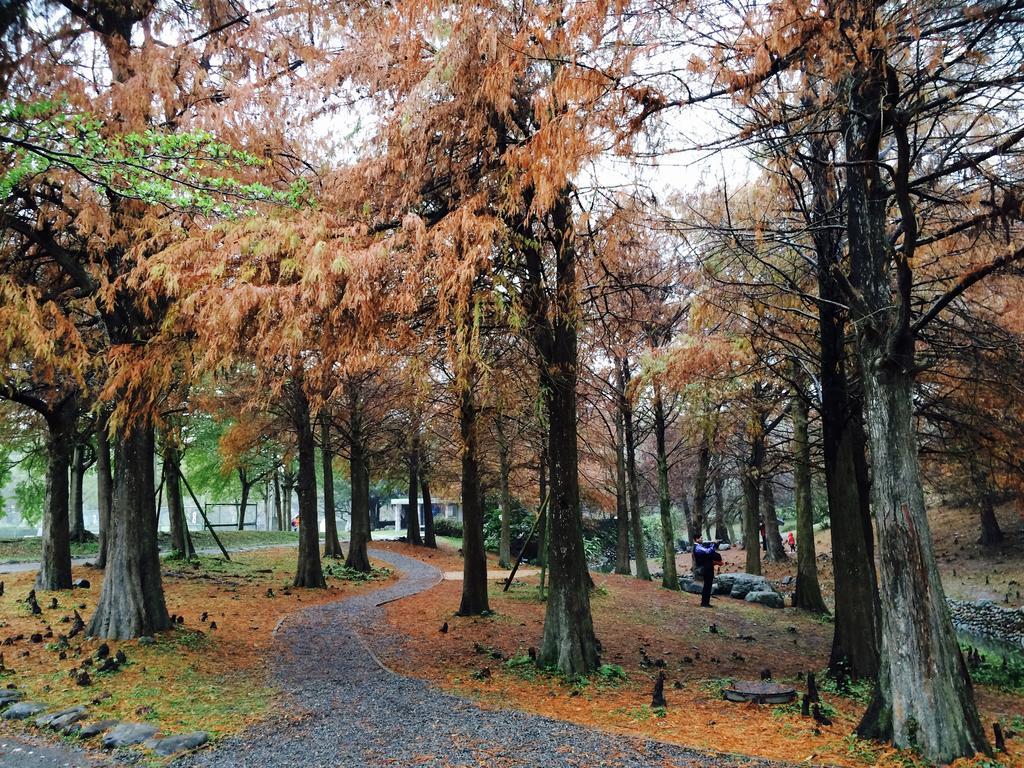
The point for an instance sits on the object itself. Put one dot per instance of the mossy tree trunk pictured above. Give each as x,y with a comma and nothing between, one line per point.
131,602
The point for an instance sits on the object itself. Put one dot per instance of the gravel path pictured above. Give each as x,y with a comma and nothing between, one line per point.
342,708
347,711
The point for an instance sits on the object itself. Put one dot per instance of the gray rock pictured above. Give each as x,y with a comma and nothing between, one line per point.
23,709
146,640
691,586
174,744
741,587
126,734
9,696
95,729
766,598
61,719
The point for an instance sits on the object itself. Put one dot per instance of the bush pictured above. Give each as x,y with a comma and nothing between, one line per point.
520,524
448,526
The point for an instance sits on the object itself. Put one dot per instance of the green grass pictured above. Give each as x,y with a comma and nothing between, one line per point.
28,550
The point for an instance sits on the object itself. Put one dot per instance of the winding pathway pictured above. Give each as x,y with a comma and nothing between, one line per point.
342,709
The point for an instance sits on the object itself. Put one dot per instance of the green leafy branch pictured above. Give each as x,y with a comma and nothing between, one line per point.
190,171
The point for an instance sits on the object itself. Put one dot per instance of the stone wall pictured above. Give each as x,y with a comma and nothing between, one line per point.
986,618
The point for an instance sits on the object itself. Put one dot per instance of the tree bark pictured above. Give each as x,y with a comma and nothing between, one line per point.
78,533
243,502
131,603
751,481
700,486
621,501
332,547
413,520
691,529
669,577
855,637
808,591
776,550
991,533
104,487
474,559
55,560
429,538
722,532
287,487
359,536
278,510
924,699
505,538
632,479
181,543
569,643
309,570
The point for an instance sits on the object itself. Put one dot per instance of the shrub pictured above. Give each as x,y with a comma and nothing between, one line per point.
448,526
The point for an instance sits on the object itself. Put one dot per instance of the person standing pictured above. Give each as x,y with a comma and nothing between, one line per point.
706,557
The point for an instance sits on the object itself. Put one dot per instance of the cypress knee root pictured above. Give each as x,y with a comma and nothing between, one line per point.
997,729
658,697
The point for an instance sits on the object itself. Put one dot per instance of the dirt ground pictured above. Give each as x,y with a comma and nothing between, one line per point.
208,673
645,630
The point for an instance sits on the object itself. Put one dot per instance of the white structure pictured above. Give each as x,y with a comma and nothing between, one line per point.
446,508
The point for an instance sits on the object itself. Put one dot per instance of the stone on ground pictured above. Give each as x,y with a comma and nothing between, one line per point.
126,734
9,696
173,744
95,729
23,709
61,719
768,599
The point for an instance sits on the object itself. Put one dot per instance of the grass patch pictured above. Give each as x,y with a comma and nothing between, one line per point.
29,549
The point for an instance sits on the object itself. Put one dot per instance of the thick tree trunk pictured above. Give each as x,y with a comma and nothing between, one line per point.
855,638
429,537
505,537
359,536
621,500
776,551
474,559
924,699
181,543
669,578
632,479
413,518
751,482
104,487
569,643
332,547
78,533
700,485
808,592
55,560
131,603
309,570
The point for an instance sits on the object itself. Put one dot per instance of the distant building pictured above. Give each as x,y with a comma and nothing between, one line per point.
398,511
